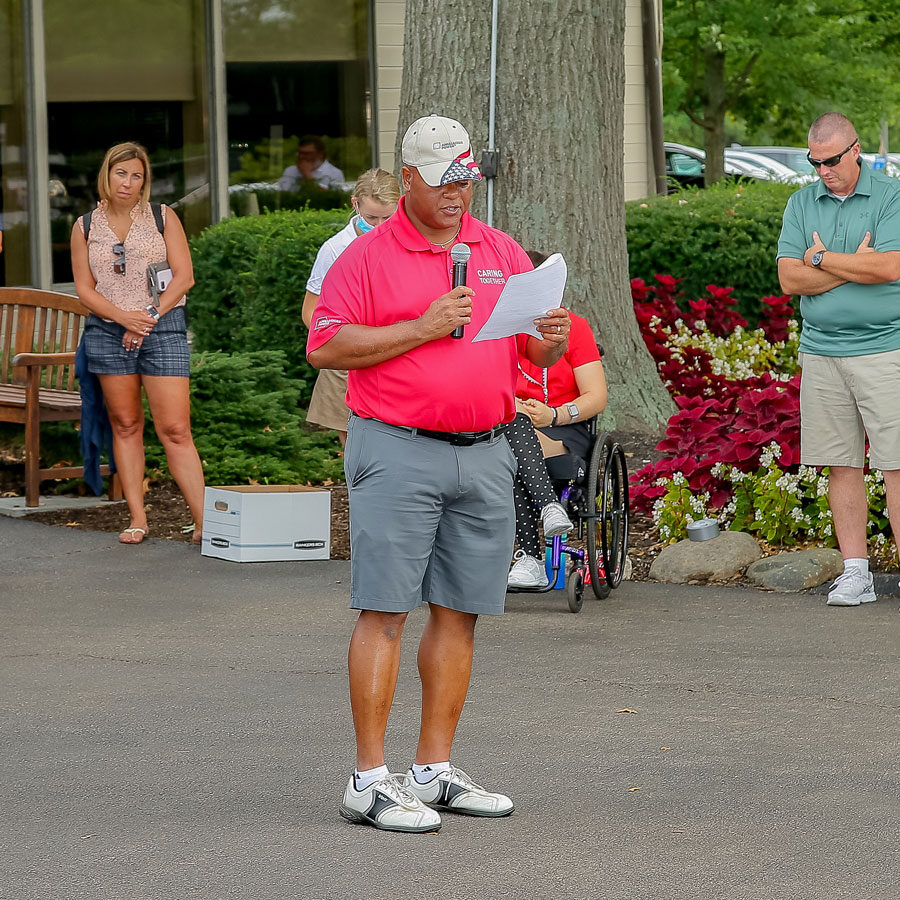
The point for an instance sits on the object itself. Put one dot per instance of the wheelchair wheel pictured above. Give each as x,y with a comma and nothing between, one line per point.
575,590
615,517
607,532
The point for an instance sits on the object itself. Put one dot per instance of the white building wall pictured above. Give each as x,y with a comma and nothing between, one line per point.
638,159
389,17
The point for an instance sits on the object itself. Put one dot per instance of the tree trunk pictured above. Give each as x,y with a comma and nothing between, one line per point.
559,133
715,115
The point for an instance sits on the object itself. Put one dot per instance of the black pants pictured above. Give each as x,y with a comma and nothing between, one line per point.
532,489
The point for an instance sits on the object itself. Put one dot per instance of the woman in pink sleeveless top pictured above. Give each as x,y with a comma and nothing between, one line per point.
132,342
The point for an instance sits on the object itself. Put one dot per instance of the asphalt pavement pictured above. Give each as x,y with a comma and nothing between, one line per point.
173,726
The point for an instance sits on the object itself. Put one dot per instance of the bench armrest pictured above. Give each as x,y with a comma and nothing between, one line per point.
43,359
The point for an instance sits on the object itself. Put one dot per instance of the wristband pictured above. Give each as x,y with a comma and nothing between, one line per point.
153,312
555,416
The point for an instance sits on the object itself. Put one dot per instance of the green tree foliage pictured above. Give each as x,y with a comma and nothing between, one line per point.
251,278
725,235
775,66
246,425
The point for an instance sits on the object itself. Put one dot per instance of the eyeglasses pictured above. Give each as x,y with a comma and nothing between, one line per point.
832,160
119,264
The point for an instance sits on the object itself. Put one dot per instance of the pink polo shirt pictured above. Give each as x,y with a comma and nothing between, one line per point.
393,274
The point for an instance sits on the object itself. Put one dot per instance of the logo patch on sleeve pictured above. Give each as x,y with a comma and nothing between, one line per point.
327,322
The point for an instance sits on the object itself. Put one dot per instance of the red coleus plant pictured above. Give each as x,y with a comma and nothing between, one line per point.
719,419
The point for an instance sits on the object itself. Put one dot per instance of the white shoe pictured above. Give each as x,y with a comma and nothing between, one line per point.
555,520
455,791
527,572
852,588
388,804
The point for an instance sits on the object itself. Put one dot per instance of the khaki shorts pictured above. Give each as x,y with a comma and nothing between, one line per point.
327,406
843,399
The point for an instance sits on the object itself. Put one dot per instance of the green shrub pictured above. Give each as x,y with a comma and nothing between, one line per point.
250,282
251,202
725,235
246,425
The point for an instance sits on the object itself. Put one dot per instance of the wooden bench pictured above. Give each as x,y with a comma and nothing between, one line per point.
39,334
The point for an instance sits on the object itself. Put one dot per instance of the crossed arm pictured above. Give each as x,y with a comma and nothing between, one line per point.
865,266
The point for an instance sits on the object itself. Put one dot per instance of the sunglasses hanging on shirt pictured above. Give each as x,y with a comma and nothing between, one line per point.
119,265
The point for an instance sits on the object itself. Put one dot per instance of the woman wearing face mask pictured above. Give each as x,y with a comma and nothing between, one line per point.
375,200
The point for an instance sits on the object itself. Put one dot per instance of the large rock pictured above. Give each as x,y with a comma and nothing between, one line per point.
722,557
797,570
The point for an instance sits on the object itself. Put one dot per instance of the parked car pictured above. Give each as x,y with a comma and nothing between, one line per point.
792,157
775,171
685,166
795,158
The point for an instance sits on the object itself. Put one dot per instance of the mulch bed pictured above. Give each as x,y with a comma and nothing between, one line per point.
168,514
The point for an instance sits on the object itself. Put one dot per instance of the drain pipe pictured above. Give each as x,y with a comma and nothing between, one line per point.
490,159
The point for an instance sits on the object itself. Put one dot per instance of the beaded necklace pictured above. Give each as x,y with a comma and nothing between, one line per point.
541,384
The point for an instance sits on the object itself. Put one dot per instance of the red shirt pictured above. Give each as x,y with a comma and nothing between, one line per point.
393,274
561,385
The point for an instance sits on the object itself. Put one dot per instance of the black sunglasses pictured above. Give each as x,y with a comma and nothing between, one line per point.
119,264
832,160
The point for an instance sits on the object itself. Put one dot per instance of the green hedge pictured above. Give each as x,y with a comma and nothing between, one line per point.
723,235
251,277
246,425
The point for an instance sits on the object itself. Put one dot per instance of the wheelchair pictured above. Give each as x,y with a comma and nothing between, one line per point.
594,492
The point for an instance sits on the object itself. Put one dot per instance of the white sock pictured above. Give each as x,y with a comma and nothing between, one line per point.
362,780
861,565
426,773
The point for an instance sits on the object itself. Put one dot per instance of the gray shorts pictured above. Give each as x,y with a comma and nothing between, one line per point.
164,352
429,522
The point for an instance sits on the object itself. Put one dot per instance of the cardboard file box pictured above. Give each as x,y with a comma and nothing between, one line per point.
266,522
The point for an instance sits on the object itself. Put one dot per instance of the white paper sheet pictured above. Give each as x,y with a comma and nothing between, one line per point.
526,297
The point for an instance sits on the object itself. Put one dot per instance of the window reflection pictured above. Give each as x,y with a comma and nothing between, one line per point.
106,84
295,69
15,257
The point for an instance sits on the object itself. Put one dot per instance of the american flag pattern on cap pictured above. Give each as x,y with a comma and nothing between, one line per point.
463,167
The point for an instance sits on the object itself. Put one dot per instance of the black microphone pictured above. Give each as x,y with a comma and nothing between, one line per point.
460,254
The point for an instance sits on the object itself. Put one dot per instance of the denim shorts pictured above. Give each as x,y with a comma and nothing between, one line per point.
164,351
429,522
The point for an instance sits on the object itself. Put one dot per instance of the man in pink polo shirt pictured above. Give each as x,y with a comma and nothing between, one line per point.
429,472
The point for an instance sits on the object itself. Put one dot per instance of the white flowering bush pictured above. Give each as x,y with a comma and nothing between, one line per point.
739,355
782,508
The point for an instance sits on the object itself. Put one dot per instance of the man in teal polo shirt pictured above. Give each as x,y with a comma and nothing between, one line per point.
840,251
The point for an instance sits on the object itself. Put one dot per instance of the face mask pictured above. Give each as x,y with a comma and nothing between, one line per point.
363,225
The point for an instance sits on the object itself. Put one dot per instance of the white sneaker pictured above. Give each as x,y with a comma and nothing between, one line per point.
527,572
852,588
390,805
455,791
555,520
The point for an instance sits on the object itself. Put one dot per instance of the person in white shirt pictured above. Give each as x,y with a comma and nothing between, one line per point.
311,166
374,200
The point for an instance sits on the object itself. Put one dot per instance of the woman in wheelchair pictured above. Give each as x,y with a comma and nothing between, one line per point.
553,407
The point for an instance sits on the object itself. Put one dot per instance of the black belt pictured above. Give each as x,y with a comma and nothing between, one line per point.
457,438
460,438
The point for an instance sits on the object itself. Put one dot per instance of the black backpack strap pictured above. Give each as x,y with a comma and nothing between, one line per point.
86,223
157,214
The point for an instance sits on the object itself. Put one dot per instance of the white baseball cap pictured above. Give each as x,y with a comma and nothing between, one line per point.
440,149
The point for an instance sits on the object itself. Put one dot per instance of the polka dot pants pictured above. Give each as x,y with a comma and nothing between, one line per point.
533,489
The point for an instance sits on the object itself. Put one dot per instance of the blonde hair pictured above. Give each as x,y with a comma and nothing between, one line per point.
118,154
379,185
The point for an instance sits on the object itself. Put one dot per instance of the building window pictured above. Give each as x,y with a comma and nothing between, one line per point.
132,71
15,256
296,69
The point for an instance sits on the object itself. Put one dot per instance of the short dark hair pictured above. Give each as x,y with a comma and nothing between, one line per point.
313,139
